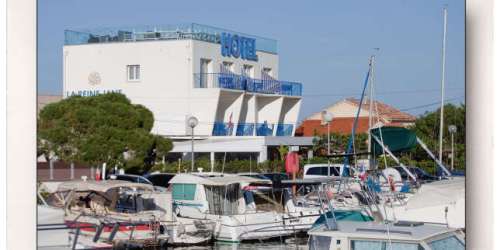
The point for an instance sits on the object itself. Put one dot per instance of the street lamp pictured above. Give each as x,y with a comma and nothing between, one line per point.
192,122
452,129
327,117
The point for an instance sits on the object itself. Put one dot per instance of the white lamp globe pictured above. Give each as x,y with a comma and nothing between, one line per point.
326,116
192,121
452,129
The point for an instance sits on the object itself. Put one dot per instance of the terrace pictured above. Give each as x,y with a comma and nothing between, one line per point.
245,83
251,129
160,32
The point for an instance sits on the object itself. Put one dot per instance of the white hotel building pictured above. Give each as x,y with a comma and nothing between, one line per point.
227,80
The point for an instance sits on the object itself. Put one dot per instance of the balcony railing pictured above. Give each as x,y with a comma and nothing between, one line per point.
284,129
251,129
222,129
239,82
245,129
264,129
161,32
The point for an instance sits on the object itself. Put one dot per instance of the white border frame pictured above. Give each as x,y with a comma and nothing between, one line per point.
481,131
483,139
21,125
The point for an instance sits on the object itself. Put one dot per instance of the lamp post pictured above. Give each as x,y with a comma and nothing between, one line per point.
192,122
452,129
327,117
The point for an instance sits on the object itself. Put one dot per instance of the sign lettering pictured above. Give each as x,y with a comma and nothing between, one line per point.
238,46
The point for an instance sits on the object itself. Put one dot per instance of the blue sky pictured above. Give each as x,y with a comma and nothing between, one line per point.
323,44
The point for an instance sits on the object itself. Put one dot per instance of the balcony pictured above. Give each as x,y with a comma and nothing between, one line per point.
222,129
245,129
252,129
264,129
244,83
284,129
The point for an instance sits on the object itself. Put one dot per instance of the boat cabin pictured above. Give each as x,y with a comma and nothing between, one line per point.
110,196
401,235
221,194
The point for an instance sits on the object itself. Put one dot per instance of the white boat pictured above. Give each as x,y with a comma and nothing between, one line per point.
125,213
228,200
439,202
403,235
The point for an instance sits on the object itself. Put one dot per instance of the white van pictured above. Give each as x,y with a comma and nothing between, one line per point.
322,170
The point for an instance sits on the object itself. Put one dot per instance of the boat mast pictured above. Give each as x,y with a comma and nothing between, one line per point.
442,87
370,125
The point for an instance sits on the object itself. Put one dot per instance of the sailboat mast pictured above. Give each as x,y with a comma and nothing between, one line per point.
442,87
370,124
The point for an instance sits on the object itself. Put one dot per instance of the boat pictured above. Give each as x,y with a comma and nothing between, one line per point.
121,213
232,202
401,235
440,202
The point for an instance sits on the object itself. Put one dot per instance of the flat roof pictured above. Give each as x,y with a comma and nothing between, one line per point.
183,31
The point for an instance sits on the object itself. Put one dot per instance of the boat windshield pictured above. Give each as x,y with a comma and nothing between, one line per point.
318,242
223,200
383,245
448,243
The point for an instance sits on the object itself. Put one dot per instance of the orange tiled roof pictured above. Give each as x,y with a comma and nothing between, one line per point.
338,125
386,111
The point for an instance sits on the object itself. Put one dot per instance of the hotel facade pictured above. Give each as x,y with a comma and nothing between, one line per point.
227,80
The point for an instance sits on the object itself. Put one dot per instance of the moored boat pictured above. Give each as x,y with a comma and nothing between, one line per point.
125,213
402,235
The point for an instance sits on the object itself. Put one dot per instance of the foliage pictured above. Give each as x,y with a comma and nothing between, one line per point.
283,150
339,143
427,128
100,129
233,166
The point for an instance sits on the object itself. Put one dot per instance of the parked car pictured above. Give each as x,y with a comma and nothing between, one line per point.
136,179
322,170
418,172
160,179
458,173
131,178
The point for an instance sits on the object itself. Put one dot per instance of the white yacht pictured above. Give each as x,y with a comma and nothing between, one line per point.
228,200
403,235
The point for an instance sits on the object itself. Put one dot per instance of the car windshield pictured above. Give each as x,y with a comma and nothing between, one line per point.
160,179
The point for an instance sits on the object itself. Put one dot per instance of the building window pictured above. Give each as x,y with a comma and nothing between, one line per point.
134,72
204,72
248,70
226,68
267,72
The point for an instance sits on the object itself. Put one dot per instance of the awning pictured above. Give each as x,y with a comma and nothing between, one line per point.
397,139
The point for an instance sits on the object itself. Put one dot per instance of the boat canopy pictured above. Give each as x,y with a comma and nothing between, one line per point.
100,186
397,139
220,180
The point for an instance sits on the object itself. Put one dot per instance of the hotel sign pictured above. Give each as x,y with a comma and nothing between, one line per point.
93,92
238,46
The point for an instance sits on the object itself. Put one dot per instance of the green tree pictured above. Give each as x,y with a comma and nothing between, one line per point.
101,129
339,143
427,128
